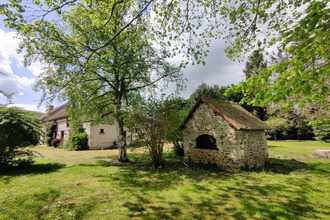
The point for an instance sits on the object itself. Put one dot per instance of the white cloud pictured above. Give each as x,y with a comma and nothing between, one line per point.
36,68
9,81
219,70
9,42
29,107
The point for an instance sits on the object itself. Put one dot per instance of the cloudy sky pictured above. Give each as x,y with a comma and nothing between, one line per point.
15,78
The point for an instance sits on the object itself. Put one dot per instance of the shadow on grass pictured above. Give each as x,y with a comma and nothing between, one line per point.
33,169
283,166
273,146
239,201
211,191
49,204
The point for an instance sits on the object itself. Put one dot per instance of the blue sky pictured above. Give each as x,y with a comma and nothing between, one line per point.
15,78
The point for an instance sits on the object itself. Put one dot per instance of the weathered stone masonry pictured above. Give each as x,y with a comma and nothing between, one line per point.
235,148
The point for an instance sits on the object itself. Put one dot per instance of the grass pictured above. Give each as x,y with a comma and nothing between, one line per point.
92,185
290,149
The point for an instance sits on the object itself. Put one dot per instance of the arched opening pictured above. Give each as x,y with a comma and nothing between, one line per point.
206,141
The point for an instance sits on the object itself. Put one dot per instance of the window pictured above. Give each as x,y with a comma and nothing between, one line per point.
101,131
206,141
62,134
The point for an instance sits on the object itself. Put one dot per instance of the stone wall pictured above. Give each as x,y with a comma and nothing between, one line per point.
235,149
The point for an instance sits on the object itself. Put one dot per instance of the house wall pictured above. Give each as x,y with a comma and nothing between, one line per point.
235,149
62,127
97,140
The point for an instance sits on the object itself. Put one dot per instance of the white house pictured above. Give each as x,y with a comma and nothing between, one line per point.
99,136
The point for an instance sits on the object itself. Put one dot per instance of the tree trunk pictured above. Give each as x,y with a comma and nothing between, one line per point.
121,133
122,147
156,153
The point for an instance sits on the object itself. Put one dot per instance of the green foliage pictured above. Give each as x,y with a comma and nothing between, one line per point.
98,54
298,122
34,114
278,126
17,131
77,186
255,64
206,91
299,27
225,93
154,121
321,129
77,141
49,129
303,77
180,110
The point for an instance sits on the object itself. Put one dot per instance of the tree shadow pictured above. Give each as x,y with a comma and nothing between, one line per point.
50,204
250,199
321,169
283,166
33,169
271,201
274,146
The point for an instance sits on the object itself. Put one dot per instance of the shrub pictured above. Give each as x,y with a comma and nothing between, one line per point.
278,126
17,157
17,131
78,141
56,142
321,129
49,127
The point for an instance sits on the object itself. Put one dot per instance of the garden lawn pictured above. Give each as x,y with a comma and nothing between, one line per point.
92,185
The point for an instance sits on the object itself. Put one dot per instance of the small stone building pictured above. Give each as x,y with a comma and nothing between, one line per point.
225,134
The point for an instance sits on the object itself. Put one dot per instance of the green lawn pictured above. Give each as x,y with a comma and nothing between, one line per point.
92,185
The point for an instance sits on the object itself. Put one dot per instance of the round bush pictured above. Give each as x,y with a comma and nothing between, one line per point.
78,141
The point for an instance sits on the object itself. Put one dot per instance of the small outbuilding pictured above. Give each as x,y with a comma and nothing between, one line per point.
225,134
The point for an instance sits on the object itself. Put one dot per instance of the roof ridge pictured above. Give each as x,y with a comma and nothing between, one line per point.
55,113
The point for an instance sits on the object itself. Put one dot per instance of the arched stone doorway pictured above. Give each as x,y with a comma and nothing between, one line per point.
206,141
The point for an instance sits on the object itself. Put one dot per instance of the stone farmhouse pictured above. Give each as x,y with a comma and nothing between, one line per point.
225,134
99,136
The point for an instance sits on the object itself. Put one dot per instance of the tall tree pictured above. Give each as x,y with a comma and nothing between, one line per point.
204,90
100,84
255,64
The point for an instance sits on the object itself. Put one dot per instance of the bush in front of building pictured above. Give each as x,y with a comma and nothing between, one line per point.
77,141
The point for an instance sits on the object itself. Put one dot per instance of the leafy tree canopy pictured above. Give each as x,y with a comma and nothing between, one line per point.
99,56
300,28
204,90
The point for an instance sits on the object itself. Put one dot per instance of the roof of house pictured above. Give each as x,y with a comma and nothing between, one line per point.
231,112
55,113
